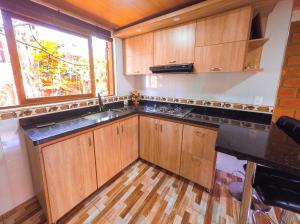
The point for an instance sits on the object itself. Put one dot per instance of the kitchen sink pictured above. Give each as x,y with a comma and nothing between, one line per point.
102,115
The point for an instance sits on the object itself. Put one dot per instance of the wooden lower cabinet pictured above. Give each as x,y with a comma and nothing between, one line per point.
129,141
108,153
116,146
169,145
149,139
70,173
198,155
183,149
160,142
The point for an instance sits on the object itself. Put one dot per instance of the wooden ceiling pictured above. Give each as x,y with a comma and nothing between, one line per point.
116,14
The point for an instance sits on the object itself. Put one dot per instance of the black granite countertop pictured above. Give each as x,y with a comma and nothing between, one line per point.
248,137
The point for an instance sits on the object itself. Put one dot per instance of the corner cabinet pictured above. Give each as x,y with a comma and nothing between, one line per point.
160,142
175,45
138,53
169,145
70,173
149,139
186,150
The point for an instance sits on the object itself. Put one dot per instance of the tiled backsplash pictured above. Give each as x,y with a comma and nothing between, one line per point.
224,105
51,108
63,106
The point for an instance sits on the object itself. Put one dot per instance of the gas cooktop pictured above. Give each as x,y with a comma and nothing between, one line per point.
176,111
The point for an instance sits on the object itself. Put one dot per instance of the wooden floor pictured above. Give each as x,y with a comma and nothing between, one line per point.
148,194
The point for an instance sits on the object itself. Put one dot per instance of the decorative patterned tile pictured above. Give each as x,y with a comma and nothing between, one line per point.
225,105
43,109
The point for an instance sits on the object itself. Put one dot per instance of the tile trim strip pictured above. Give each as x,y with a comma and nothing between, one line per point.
30,111
35,110
215,104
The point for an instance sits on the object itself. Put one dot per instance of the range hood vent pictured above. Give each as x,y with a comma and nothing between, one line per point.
176,68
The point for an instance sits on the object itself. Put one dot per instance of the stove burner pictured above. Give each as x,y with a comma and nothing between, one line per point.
176,111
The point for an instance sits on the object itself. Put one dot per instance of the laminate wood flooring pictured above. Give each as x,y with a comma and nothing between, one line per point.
144,193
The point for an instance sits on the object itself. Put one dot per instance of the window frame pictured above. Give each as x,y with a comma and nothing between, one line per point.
16,68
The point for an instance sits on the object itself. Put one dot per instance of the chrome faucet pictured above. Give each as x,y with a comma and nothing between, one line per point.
101,105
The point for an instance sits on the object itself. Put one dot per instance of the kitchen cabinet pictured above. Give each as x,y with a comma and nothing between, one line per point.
70,173
138,53
175,45
116,146
226,27
108,153
160,142
169,145
149,139
129,140
228,57
198,156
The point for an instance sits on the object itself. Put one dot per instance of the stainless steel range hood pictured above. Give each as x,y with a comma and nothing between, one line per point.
176,68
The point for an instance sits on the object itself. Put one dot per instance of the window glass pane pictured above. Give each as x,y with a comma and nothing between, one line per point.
53,63
100,53
7,84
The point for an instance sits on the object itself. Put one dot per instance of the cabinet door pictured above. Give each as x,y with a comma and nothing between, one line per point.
230,26
198,155
149,139
227,57
70,173
139,45
138,64
129,141
175,45
108,155
169,151
138,54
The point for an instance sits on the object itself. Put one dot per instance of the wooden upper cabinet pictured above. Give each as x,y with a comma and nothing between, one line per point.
228,57
175,45
70,173
227,27
138,53
129,140
108,154
169,150
198,155
149,139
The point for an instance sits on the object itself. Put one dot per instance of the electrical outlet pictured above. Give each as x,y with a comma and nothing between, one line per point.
258,100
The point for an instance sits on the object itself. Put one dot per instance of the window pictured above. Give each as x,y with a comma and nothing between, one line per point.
50,64
7,86
53,63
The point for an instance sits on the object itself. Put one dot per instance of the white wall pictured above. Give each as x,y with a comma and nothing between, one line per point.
15,178
124,84
232,87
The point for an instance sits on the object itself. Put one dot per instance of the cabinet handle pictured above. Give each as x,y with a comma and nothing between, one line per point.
117,130
161,128
216,69
122,128
171,62
90,142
